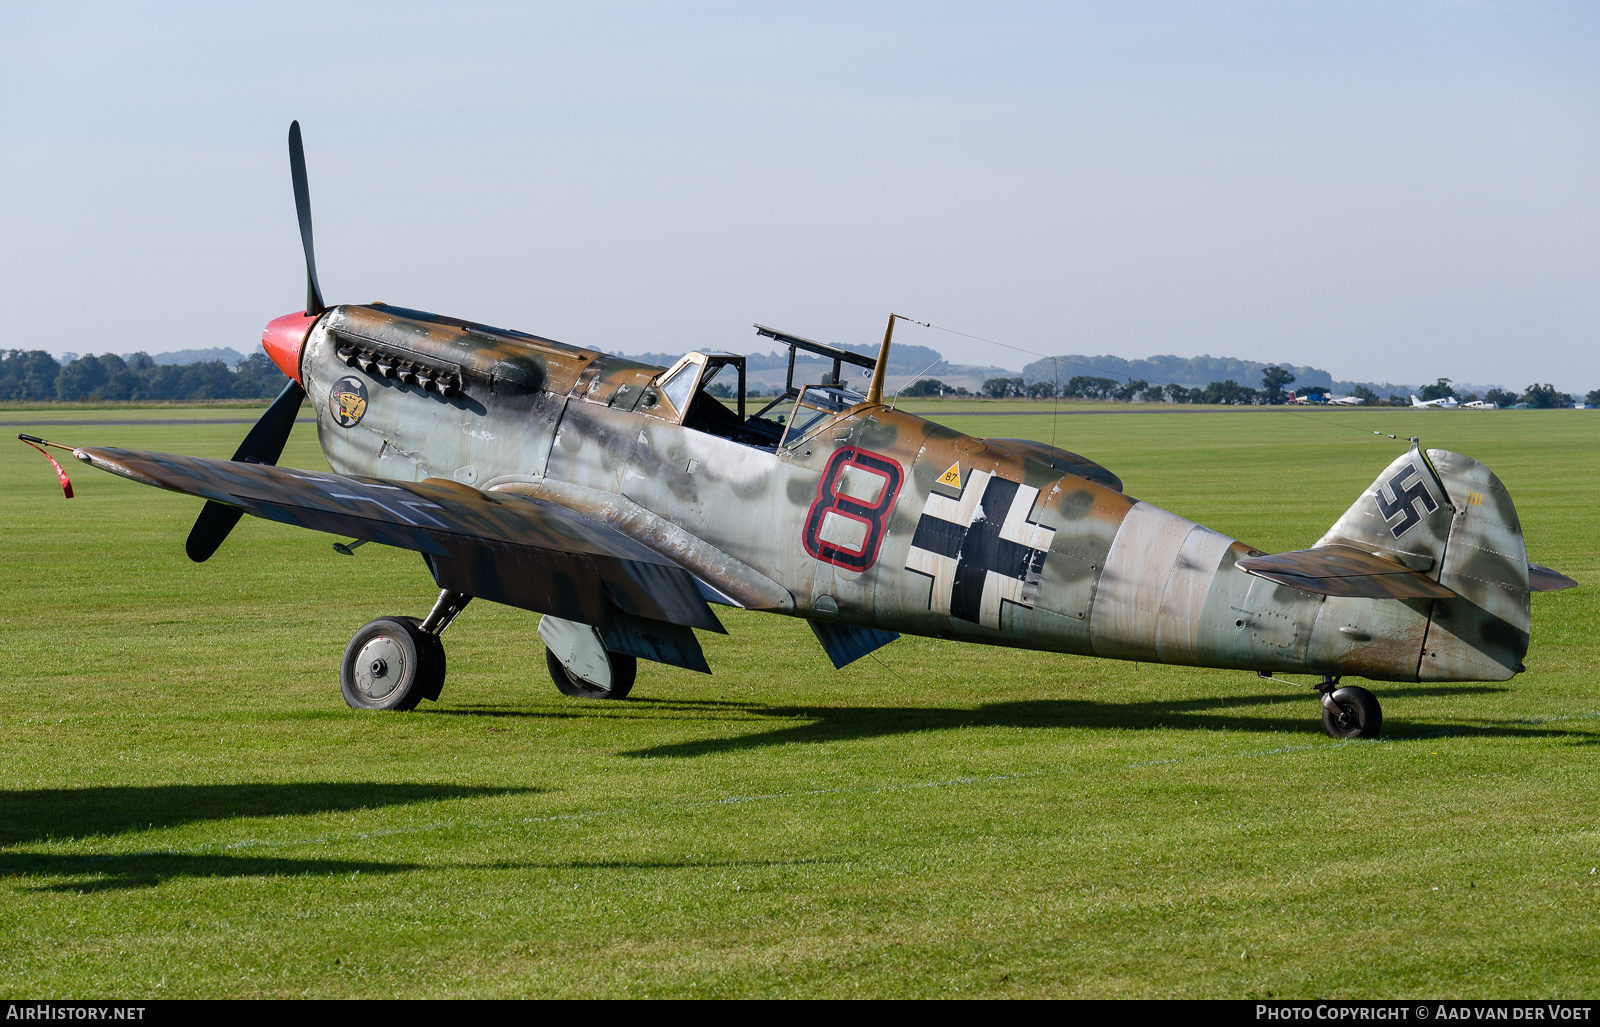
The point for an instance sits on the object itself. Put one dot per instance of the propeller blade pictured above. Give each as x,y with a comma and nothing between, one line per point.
302,209
210,529
264,445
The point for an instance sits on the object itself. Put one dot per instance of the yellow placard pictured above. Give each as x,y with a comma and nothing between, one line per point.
952,477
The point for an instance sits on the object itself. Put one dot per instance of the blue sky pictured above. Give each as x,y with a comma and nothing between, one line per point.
1389,190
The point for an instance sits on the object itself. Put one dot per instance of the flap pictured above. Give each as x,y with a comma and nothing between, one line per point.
1343,571
511,549
1543,579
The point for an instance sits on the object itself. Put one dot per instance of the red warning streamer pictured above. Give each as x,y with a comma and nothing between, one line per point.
66,483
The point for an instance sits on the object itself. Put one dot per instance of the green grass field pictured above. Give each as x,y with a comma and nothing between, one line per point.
188,808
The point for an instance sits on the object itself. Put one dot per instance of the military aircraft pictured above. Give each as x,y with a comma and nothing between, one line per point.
622,501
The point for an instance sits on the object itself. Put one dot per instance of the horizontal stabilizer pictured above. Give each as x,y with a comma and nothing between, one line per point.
1543,579
516,550
845,643
1343,571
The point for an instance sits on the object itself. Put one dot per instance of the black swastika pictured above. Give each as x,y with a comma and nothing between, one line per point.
1403,499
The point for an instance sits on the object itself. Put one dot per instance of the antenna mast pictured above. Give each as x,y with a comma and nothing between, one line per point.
875,390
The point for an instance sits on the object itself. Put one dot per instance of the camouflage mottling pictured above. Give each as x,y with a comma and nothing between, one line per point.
519,550
1120,579
1424,577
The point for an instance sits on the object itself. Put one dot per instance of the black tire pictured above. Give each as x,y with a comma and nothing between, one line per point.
624,669
432,680
1354,713
390,664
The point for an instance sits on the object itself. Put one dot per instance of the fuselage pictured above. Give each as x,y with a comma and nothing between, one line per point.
869,516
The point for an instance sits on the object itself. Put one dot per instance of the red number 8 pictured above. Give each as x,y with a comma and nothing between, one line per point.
837,514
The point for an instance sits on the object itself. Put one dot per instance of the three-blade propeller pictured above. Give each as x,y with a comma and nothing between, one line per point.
264,444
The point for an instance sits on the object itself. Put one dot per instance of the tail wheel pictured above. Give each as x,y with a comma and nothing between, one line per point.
1352,712
391,664
624,669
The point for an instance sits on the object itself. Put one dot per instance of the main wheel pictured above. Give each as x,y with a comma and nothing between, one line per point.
1353,713
624,669
391,664
432,680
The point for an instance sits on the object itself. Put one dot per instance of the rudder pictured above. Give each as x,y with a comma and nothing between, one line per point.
1483,635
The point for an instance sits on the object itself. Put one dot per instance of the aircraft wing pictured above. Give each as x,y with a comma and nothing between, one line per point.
1343,571
517,550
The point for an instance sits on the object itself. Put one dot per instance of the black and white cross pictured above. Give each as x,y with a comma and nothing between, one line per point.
980,550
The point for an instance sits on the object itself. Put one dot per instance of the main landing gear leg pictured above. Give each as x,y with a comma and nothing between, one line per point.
1350,711
393,663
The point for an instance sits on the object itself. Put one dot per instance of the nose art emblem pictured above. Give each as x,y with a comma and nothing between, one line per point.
348,402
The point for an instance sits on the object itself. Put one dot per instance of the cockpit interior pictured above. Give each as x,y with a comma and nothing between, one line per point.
690,386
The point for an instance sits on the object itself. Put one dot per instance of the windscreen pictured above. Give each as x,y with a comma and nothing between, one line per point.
679,387
816,406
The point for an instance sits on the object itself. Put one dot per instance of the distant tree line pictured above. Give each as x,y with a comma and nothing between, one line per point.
933,387
1275,382
1541,397
1093,387
37,376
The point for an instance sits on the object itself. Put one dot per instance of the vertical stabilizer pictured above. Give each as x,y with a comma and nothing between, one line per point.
1404,516
1447,516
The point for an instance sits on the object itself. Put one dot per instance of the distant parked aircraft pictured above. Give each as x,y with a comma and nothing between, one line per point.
1323,398
1479,404
1446,403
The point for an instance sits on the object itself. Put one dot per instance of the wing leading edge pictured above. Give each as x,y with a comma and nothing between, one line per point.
511,549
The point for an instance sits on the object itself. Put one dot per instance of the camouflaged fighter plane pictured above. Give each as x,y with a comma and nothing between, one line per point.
621,501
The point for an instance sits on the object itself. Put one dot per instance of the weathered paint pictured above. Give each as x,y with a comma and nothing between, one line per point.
522,551
848,522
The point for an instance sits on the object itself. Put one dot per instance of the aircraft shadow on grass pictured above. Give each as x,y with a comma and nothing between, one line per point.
61,814
84,874
115,872
1234,713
